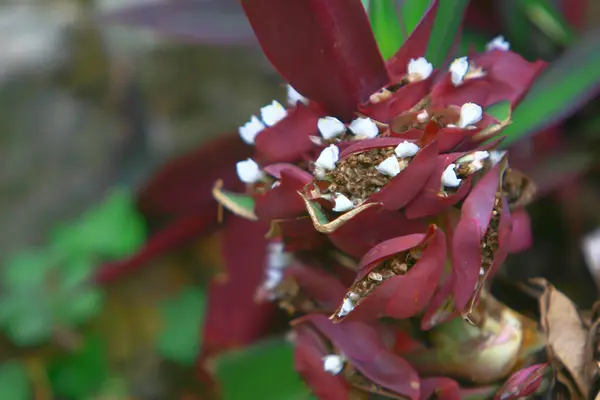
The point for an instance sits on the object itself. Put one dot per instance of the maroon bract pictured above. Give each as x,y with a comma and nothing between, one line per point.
396,278
522,383
369,360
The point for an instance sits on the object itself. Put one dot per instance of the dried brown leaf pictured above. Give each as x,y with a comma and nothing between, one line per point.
567,335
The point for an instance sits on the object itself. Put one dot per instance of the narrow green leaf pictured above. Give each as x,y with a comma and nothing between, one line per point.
563,88
501,110
183,316
445,30
265,370
472,40
412,12
386,26
548,20
14,383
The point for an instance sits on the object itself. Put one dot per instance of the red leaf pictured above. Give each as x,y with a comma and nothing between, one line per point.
477,91
429,201
520,236
509,75
184,185
480,202
441,308
308,353
440,388
401,101
299,234
318,285
363,347
414,47
324,49
466,260
371,227
175,235
283,200
522,383
408,183
288,140
368,144
233,318
404,295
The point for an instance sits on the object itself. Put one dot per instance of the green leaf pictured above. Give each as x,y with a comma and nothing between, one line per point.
412,13
81,374
239,204
113,229
183,316
472,40
14,383
80,307
501,110
447,24
30,320
386,26
548,20
27,270
265,370
563,88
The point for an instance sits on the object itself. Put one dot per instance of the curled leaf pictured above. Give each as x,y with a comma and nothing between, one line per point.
522,383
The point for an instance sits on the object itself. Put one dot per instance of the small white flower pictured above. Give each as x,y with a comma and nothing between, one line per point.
498,43
449,178
342,203
423,116
347,307
273,279
331,127
273,113
248,171
496,156
406,149
333,364
328,157
458,70
470,113
420,68
293,97
390,166
474,156
277,258
364,127
251,129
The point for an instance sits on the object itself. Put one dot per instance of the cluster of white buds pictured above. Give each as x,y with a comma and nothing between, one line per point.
461,69
474,161
331,127
394,164
498,43
277,261
270,115
333,363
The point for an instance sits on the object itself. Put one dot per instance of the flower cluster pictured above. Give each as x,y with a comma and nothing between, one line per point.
386,205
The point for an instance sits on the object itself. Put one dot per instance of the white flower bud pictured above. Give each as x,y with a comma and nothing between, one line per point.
496,156
470,113
347,307
248,171
333,364
293,97
419,68
251,129
423,116
273,113
277,258
406,149
390,166
342,203
474,156
331,127
449,178
458,70
364,127
498,43
328,157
